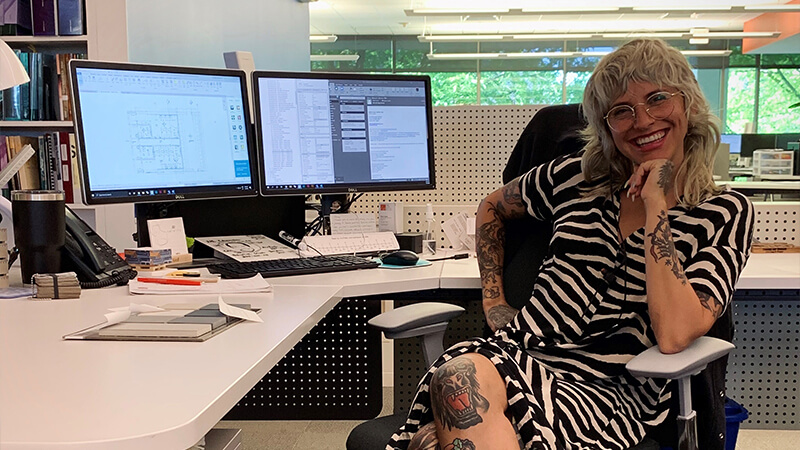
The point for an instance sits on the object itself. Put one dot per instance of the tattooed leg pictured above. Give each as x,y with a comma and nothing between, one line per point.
468,398
425,439
663,248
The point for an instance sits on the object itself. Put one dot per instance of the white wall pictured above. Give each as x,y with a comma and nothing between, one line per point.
197,32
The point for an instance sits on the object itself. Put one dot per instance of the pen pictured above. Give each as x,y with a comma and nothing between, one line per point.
456,256
178,281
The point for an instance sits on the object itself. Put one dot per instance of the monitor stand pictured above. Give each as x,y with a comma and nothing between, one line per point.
329,204
227,217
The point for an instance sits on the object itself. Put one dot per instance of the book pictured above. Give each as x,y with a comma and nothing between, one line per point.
139,329
66,166
16,17
70,17
43,15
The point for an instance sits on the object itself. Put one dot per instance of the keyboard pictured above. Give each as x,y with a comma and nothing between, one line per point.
292,266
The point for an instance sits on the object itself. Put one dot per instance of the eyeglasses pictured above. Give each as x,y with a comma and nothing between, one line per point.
658,106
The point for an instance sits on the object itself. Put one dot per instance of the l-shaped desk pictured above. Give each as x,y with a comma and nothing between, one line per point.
167,395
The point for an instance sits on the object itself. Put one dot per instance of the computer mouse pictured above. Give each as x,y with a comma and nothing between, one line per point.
400,258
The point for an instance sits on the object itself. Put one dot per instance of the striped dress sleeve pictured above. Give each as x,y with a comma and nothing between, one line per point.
544,186
716,267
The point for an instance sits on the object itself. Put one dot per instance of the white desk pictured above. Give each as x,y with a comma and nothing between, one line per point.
763,271
134,395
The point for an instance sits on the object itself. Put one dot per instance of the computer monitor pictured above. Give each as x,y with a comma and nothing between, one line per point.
734,142
338,133
150,133
752,142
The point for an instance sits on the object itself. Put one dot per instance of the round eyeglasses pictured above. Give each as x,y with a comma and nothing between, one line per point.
658,106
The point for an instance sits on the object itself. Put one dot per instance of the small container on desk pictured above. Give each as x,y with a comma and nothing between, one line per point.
773,162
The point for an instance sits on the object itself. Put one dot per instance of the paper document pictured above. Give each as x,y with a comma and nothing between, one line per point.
457,231
353,223
226,286
240,313
255,247
341,244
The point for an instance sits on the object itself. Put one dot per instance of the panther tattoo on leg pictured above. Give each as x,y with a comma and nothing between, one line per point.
455,394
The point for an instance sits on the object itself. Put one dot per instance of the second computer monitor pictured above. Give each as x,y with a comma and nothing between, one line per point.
336,133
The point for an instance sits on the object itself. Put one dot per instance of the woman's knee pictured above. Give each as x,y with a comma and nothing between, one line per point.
466,388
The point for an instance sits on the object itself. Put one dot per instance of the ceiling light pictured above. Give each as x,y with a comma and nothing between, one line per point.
461,37
334,57
539,55
698,41
574,10
549,37
323,38
456,12
773,8
633,34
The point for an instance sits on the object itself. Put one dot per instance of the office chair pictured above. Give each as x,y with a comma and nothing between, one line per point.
553,132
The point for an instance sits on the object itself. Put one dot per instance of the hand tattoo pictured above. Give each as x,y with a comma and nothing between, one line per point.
455,394
662,247
665,176
710,303
500,315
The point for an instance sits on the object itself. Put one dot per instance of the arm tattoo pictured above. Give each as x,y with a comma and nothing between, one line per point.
491,242
662,247
500,315
425,438
455,395
511,194
710,303
491,292
665,176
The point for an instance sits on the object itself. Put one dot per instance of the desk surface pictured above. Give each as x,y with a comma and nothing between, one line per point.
167,395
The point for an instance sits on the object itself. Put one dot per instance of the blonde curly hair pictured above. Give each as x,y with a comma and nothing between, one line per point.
653,61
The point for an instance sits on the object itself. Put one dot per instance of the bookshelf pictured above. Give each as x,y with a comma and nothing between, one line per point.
106,39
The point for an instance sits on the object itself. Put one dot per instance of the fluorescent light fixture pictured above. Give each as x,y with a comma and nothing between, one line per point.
540,55
587,10
335,57
551,37
698,41
670,9
323,38
573,10
772,8
634,34
461,37
456,12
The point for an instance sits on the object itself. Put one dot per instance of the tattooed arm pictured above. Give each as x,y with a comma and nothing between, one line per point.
499,207
679,315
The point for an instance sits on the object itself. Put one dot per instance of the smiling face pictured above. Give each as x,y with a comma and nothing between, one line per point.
648,138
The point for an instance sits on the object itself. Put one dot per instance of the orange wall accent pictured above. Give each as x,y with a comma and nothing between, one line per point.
787,23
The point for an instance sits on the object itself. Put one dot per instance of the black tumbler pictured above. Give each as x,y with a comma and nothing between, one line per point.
38,230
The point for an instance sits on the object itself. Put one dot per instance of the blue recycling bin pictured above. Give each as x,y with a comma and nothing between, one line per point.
735,414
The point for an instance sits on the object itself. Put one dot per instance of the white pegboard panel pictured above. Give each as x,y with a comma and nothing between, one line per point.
471,146
777,222
414,219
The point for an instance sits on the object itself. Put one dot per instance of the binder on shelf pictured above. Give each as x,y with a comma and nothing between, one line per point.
66,166
43,13
70,17
16,18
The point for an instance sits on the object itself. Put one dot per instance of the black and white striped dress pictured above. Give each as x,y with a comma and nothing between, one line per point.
563,356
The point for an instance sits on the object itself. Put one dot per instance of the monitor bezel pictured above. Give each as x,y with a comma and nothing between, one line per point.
194,193
343,188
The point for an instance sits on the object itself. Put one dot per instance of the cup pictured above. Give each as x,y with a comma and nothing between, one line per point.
39,230
429,247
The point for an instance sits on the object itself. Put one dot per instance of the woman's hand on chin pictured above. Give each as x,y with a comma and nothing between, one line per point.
652,181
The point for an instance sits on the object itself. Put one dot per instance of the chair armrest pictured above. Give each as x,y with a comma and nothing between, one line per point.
691,361
414,316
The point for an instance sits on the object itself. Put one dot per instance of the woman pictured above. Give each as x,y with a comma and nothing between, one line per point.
646,250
